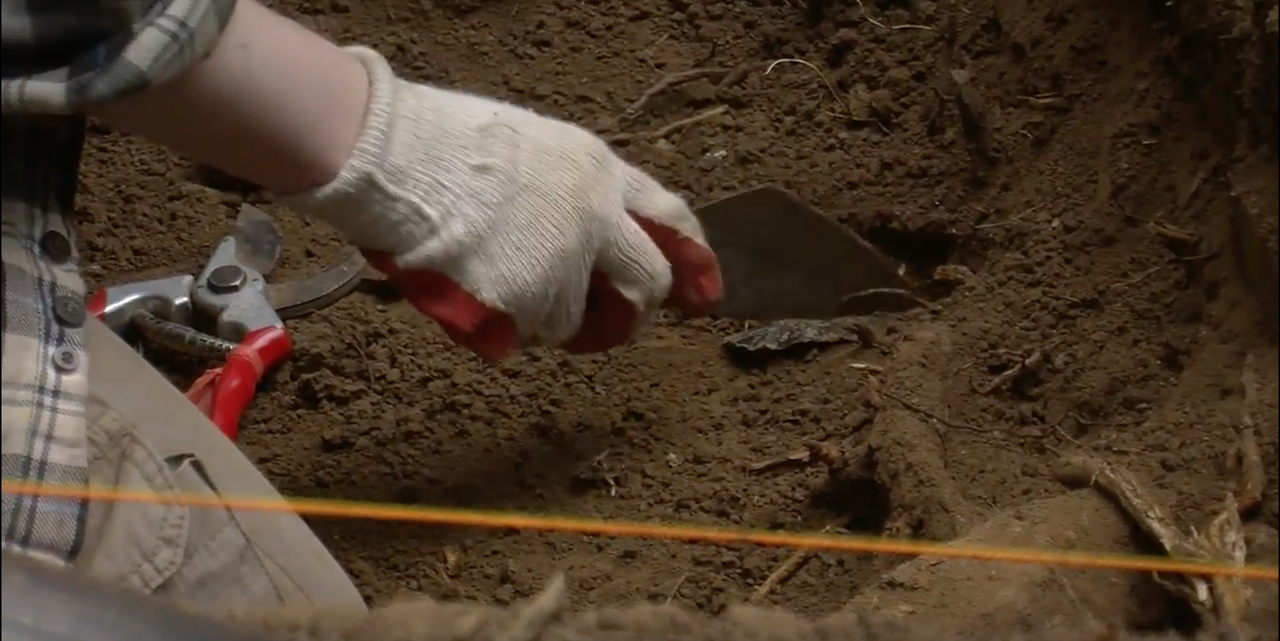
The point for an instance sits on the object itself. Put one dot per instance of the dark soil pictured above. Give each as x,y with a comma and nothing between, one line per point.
1103,172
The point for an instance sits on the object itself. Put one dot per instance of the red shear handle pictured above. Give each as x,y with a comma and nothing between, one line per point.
224,392
97,304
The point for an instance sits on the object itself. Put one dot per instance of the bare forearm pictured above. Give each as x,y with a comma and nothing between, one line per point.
276,104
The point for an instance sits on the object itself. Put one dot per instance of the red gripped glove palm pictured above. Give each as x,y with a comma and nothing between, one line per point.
608,318
509,228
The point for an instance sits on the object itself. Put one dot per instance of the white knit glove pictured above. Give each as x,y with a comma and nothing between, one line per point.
508,227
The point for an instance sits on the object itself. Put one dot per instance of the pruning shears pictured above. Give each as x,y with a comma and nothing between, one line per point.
227,311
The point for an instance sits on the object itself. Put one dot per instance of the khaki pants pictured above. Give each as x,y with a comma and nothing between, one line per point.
144,435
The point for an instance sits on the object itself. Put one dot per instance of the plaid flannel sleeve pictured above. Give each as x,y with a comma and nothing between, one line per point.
69,55
61,56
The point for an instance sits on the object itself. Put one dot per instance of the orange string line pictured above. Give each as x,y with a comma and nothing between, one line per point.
625,529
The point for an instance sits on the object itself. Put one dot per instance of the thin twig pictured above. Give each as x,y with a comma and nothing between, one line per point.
799,457
668,129
1011,221
668,81
890,299
1136,279
364,358
1224,540
1031,363
1170,233
932,415
831,87
676,589
882,25
1125,489
783,572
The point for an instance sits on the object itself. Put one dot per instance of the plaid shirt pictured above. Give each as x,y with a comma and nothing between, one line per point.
60,58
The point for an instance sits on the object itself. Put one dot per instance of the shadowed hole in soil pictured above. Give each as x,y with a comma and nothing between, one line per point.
860,504
921,250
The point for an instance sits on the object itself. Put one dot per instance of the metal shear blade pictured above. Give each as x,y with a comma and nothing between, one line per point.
316,292
258,240
258,243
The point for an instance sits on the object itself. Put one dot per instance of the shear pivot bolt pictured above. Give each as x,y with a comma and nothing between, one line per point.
226,279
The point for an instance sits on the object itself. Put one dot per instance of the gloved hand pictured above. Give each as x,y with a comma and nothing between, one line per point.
510,228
